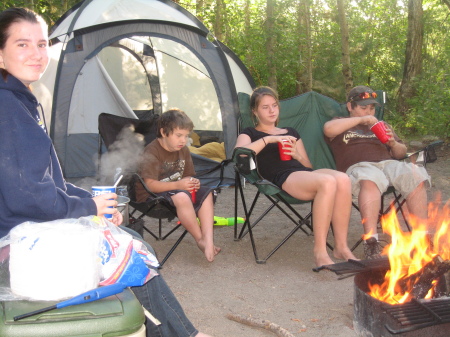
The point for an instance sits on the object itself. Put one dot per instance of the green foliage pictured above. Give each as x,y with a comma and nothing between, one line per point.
48,9
377,31
430,112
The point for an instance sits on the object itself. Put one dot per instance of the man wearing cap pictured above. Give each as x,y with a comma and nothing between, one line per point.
372,165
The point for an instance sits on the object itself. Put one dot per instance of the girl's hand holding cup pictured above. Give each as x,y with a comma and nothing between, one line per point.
285,147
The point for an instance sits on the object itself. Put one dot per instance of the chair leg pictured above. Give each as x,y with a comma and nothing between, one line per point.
173,248
357,244
400,204
151,233
304,221
237,186
259,261
249,213
397,203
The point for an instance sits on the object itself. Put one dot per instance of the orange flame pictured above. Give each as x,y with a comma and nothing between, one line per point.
410,251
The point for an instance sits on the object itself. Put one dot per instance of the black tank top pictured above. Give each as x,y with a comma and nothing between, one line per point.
269,163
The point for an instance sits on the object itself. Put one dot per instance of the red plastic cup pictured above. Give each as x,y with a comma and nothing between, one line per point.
284,151
379,129
193,195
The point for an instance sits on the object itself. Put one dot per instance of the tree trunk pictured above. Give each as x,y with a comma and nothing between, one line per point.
304,72
413,55
248,55
270,44
29,4
225,29
218,23
199,5
346,69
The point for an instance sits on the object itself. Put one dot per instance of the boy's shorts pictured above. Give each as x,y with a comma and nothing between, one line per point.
201,195
404,177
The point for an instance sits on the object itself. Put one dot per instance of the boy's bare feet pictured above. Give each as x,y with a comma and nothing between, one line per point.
208,249
217,250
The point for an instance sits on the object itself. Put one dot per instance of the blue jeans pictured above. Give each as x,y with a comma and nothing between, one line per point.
159,300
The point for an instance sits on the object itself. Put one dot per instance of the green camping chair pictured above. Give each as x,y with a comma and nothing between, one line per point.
307,113
246,167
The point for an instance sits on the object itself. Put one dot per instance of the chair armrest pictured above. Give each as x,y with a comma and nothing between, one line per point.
425,155
131,187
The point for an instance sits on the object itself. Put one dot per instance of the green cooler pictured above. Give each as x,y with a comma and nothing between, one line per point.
118,315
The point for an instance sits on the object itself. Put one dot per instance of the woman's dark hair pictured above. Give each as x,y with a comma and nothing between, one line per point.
11,16
172,119
256,97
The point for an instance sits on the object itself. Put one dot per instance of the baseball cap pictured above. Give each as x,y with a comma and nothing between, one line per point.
362,95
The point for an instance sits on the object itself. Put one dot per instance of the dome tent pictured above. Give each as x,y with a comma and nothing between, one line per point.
134,58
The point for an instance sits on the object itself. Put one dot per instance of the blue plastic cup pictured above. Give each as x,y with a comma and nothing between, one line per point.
98,190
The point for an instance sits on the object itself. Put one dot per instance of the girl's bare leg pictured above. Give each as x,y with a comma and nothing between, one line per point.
322,189
341,214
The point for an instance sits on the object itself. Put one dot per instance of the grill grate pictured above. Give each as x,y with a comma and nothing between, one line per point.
418,314
353,267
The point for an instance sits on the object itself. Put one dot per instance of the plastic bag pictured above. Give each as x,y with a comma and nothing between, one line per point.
124,259
63,258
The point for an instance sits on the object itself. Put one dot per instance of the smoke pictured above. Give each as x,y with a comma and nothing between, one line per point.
123,156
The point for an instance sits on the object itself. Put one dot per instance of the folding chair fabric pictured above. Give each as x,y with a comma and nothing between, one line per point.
109,127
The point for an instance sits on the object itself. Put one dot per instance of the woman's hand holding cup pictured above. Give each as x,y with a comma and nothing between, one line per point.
106,206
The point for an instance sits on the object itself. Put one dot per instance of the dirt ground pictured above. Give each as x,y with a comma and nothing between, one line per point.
285,290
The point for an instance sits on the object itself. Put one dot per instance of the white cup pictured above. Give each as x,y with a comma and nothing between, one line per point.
98,190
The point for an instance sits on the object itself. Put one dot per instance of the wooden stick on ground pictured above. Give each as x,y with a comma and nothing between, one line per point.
260,323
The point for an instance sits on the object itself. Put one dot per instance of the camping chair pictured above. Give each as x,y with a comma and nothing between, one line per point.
306,113
110,127
246,167
154,207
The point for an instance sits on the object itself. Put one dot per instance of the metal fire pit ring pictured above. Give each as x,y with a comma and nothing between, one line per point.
373,318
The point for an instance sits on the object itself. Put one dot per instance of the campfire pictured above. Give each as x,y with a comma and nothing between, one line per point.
418,260
407,290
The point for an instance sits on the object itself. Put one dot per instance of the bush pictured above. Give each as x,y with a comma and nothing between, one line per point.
430,110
